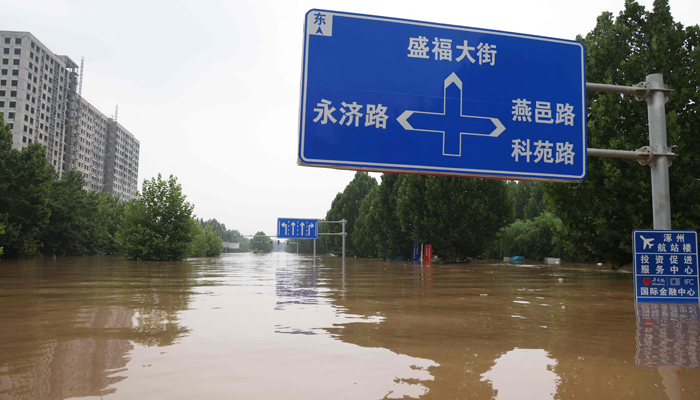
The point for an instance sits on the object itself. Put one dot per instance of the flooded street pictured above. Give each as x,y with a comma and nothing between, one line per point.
282,326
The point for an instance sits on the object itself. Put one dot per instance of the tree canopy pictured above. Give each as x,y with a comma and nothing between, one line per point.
459,216
157,224
25,184
600,213
346,205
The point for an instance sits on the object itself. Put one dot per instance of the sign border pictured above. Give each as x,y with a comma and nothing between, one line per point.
433,170
666,299
291,237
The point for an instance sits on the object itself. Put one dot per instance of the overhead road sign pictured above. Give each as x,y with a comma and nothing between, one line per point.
665,265
384,94
295,228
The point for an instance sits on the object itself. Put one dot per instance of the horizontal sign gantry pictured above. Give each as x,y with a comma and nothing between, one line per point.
383,94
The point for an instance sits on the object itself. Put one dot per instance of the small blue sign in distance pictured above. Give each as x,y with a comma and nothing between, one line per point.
385,94
296,228
665,265
415,251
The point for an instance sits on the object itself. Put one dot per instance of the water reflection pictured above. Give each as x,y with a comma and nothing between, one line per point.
667,338
70,325
294,327
523,374
667,334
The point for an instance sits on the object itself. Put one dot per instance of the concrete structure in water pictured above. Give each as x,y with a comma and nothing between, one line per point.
39,99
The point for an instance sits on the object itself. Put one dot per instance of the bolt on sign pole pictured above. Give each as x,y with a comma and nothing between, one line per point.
657,155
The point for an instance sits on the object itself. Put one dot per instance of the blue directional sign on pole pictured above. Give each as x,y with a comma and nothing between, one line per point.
295,228
383,94
665,265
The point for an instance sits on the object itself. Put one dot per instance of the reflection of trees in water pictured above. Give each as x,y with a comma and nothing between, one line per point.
69,325
465,318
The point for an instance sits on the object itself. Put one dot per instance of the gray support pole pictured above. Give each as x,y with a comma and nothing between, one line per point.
661,195
314,247
343,221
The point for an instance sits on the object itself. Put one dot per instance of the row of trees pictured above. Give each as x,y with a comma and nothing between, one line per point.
459,216
41,215
590,221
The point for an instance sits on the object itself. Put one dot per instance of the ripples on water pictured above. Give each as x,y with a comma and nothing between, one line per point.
284,326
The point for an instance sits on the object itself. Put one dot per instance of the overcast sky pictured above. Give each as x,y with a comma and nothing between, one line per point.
211,88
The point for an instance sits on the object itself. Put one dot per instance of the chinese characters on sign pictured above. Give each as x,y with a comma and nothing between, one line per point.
442,50
543,151
666,265
374,116
392,95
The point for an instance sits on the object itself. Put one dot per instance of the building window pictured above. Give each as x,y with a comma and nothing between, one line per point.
11,115
2,93
13,104
3,82
5,61
15,72
13,83
18,40
2,104
6,51
24,139
15,61
4,71
18,52
7,40
13,93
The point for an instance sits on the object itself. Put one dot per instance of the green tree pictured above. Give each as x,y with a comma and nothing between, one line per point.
110,210
72,229
528,198
459,216
365,236
25,181
346,205
157,224
533,238
261,243
206,243
600,213
378,230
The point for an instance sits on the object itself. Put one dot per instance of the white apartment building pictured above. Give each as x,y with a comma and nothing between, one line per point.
39,100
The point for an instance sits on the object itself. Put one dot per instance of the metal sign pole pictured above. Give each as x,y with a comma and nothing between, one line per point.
657,155
314,247
660,191
343,221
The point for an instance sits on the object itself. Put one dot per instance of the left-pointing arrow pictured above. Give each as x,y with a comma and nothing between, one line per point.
451,122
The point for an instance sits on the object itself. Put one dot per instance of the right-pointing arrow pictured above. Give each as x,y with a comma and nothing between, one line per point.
451,122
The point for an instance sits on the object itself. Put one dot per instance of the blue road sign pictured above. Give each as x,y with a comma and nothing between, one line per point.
665,265
295,228
384,94
415,251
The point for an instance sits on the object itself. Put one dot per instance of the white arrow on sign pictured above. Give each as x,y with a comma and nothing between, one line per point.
452,121
310,226
284,224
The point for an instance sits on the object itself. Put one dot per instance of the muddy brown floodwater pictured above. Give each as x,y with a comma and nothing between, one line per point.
282,326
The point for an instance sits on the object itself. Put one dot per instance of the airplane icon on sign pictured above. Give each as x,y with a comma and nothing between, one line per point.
647,242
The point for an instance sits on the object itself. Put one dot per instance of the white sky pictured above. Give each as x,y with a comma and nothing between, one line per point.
211,88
